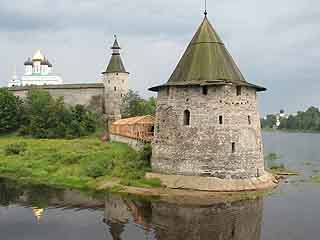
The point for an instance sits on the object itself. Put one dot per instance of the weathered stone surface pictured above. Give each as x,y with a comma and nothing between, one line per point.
134,143
90,95
204,148
116,87
215,184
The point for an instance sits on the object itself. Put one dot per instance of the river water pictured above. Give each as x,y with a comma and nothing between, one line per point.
291,212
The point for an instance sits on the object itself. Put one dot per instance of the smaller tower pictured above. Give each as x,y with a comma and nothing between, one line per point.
14,82
115,79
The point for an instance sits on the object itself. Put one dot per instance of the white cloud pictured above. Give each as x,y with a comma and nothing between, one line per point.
274,42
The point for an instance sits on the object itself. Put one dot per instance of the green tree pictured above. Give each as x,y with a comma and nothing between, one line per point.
151,105
133,105
83,121
10,111
269,122
47,117
306,121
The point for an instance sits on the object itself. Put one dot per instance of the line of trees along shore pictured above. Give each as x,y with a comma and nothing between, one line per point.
308,120
42,116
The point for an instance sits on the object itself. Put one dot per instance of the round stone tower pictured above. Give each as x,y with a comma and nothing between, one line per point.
207,119
115,79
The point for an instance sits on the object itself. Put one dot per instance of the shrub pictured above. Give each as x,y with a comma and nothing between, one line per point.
278,167
71,159
10,111
15,148
146,152
83,122
46,117
98,168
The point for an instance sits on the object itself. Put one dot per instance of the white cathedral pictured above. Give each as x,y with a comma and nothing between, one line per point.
38,71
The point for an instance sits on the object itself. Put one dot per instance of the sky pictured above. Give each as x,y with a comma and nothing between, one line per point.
275,43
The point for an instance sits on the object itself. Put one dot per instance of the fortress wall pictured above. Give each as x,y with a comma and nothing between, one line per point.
134,143
90,95
204,148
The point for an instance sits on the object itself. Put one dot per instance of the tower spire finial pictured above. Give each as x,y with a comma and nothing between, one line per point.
205,8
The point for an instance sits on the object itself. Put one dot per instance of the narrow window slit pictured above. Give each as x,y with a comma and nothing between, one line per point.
205,90
186,118
220,119
233,147
238,90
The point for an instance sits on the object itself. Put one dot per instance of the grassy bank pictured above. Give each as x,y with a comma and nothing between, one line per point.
80,163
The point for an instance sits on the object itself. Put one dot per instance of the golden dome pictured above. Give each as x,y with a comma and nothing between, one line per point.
38,56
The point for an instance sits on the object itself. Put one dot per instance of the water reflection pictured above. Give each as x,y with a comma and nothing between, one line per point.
38,213
240,220
132,218
35,195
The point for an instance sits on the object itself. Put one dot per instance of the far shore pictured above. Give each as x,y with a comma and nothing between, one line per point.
289,130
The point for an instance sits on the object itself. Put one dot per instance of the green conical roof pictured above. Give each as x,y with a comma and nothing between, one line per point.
116,45
206,61
115,64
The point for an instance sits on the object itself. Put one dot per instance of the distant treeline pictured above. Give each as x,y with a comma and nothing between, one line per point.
304,121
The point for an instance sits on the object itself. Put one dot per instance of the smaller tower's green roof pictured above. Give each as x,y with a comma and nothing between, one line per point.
115,64
116,44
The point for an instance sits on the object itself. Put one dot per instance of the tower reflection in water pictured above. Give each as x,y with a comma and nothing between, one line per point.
169,221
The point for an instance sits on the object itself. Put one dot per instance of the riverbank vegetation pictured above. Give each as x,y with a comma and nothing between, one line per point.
43,140
42,116
308,121
281,170
277,168
79,163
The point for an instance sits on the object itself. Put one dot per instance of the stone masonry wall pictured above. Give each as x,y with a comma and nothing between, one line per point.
116,88
204,148
90,95
134,143
116,85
